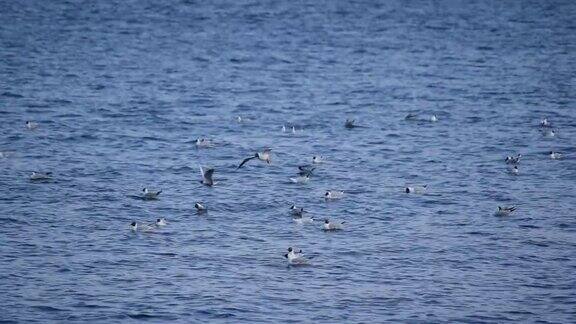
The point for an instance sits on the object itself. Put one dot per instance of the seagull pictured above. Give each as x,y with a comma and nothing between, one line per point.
31,125
295,257
333,226
161,222
200,208
301,179
549,133
262,156
297,211
515,170
350,123
142,227
505,211
317,159
203,142
416,189
150,195
513,160
207,176
555,155
545,123
303,220
410,116
41,175
333,194
433,118
283,128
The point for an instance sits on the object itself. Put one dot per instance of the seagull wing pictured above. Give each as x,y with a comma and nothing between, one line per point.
245,160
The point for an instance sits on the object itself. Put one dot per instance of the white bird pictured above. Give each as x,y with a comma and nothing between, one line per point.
239,119
262,156
545,123
301,179
41,175
433,118
161,222
142,227
550,133
283,128
303,220
332,226
555,155
296,211
350,123
317,159
505,211
410,116
207,176
293,130
200,208
295,257
416,189
203,142
513,160
150,195
515,170
333,194
31,125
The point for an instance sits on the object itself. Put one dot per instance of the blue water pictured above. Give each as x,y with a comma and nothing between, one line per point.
121,89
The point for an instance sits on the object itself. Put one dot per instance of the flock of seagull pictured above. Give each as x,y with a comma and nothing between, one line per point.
296,257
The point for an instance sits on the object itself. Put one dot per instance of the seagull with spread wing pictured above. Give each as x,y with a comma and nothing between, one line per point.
262,156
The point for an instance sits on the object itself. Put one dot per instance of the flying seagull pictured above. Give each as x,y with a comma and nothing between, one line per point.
262,156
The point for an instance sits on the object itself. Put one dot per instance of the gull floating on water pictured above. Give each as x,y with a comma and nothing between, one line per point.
207,176
142,227
545,123
296,211
317,159
161,222
512,159
41,175
149,194
333,226
295,257
31,125
505,211
333,194
555,155
203,142
514,170
549,133
416,189
301,179
200,208
262,156
303,220
350,123
433,118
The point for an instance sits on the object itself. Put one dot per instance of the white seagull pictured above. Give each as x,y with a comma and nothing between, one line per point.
207,176
513,160
505,211
545,123
31,125
317,159
416,189
555,155
295,257
142,227
200,208
41,175
262,156
161,222
333,226
333,194
150,195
